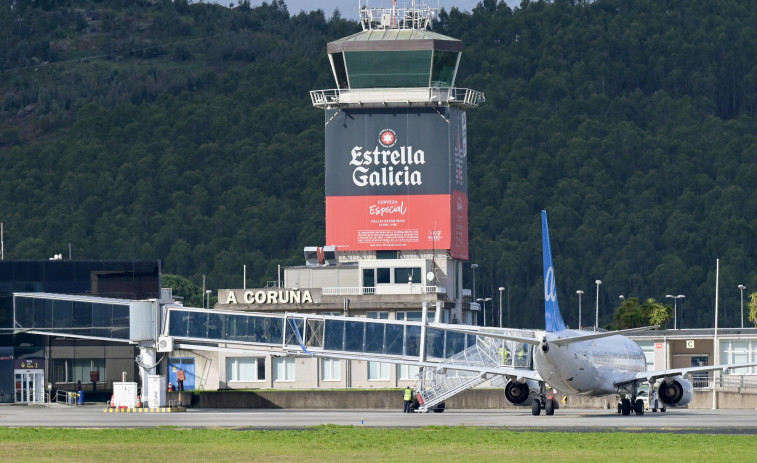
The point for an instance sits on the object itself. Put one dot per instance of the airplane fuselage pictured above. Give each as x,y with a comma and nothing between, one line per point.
591,367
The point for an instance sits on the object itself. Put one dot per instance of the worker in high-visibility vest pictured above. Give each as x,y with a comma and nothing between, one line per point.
408,399
522,353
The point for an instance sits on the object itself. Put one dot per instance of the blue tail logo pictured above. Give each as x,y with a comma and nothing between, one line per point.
552,318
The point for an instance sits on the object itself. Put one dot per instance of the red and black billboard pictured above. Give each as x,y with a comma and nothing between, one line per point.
396,179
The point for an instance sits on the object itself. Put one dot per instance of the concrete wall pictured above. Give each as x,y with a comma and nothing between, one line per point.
392,399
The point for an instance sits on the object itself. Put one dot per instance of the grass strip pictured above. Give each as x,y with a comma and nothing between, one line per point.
348,443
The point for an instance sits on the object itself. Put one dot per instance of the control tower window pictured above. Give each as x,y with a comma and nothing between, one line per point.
340,73
443,73
388,69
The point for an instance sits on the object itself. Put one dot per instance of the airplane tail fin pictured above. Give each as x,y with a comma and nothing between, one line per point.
552,318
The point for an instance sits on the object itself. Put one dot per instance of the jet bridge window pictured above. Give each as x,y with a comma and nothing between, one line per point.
394,339
178,322
198,325
434,343
354,339
412,341
334,335
455,343
374,338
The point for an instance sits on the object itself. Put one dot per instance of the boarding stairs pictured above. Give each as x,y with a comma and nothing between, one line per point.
437,385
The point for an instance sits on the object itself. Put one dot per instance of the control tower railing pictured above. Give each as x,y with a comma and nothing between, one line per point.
383,97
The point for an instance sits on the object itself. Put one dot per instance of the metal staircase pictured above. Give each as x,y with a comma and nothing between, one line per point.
437,385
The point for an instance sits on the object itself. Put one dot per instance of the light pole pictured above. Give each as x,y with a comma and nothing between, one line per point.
207,296
474,267
742,288
579,292
502,288
484,300
596,317
675,308
488,299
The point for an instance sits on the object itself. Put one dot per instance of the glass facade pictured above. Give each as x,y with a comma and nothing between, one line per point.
444,68
97,319
354,335
389,69
113,279
739,351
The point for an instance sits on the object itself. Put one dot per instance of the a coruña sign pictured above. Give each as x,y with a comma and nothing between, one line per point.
266,296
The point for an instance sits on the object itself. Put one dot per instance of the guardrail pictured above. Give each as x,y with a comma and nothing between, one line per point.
425,96
363,290
725,383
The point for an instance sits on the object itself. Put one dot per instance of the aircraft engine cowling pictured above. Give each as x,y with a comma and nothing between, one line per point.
517,393
678,393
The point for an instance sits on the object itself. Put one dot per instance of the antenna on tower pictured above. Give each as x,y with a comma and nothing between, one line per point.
418,16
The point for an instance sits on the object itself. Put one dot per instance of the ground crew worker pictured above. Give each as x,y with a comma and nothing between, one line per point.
522,355
408,399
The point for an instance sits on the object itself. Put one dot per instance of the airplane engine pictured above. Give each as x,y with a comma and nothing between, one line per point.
517,393
678,393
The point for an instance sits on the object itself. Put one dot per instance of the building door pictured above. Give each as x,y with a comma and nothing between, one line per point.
185,364
30,386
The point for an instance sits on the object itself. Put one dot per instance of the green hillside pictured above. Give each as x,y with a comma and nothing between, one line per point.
184,131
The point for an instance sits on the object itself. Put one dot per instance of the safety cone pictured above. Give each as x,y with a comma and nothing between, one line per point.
112,401
139,401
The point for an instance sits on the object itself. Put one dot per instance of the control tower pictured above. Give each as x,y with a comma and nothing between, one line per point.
396,167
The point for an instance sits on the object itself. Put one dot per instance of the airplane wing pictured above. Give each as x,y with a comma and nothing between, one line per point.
660,374
597,335
489,334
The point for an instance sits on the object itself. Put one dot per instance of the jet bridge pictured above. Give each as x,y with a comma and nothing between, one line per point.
452,361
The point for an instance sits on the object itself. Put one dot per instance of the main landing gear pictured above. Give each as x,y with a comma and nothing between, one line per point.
544,401
549,406
625,406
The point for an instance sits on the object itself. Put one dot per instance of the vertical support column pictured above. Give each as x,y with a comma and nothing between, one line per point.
438,312
424,324
146,368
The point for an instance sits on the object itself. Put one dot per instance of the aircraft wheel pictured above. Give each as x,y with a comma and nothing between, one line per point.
638,407
619,409
654,408
663,408
536,407
549,407
625,407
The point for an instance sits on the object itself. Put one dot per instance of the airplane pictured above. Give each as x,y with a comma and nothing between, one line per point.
589,363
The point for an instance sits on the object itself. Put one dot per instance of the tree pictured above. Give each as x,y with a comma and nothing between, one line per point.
630,314
752,304
659,314
184,288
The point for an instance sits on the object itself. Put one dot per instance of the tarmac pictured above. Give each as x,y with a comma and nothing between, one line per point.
729,421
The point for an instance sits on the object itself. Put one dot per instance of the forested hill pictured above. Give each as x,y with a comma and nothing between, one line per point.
158,129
